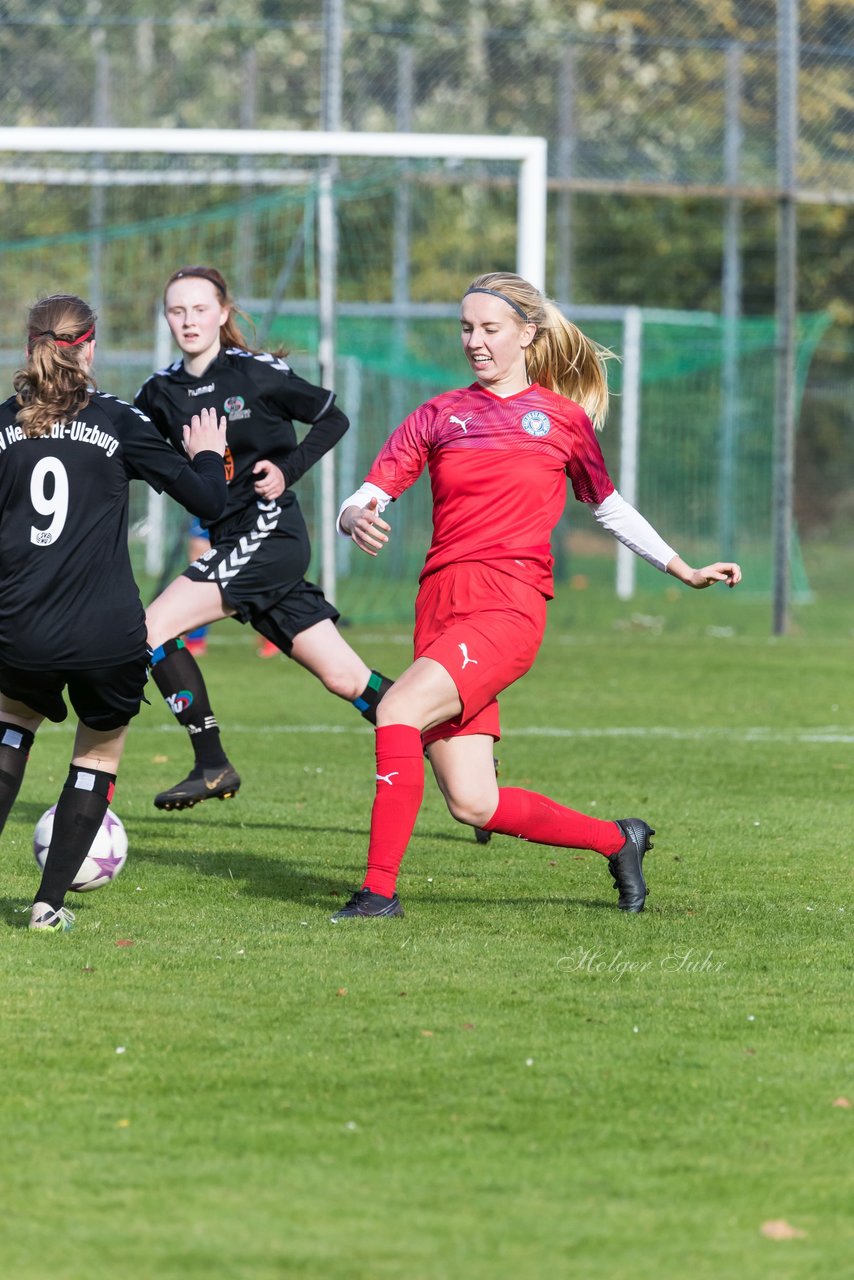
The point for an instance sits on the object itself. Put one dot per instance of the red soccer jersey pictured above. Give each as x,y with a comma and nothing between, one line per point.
498,468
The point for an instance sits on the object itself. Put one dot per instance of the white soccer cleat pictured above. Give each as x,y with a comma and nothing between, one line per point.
44,916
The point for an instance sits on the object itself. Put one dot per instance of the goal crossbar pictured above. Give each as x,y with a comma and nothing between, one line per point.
529,153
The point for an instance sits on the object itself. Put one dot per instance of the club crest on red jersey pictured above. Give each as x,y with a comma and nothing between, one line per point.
536,423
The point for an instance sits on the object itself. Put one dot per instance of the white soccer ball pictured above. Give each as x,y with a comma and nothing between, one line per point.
105,858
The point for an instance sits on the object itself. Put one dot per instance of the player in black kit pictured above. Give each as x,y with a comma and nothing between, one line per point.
255,569
71,619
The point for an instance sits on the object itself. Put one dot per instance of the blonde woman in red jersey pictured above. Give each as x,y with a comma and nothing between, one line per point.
499,453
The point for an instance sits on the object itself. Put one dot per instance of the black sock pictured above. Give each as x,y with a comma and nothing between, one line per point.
179,678
80,811
378,685
15,744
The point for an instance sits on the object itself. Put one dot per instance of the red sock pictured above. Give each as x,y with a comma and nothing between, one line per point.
400,788
530,816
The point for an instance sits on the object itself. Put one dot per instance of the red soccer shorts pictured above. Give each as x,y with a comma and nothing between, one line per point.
485,628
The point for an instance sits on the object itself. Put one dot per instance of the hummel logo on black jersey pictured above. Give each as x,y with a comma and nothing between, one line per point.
461,422
201,391
466,659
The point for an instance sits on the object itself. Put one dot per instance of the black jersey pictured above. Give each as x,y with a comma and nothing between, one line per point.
261,397
67,594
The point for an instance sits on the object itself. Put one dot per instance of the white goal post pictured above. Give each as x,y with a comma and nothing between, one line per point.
529,153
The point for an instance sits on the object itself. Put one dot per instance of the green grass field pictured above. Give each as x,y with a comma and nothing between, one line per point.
207,1079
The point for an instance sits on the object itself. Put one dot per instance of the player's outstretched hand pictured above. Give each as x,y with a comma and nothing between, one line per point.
270,482
721,571
366,527
205,432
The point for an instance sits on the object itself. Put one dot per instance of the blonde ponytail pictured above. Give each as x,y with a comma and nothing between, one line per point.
561,357
54,385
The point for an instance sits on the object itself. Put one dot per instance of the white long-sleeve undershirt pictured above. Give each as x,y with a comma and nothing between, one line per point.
614,514
632,529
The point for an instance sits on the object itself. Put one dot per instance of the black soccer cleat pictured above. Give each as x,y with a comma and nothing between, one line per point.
480,834
365,903
626,866
218,783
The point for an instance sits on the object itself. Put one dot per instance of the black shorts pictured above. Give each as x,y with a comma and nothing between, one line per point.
104,698
260,570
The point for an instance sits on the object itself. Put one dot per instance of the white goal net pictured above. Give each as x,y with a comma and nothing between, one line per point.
347,249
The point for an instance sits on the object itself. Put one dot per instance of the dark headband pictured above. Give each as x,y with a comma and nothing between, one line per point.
200,273
503,296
